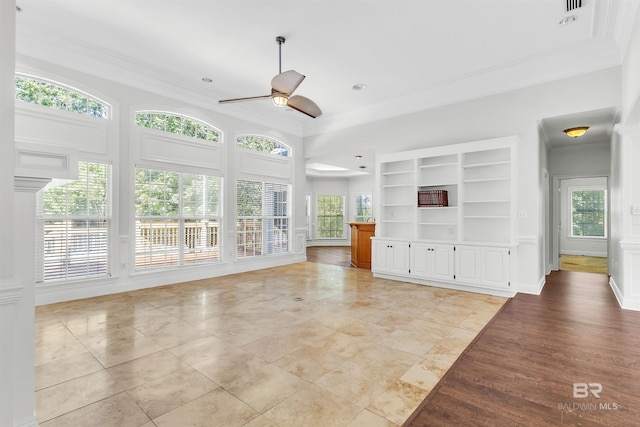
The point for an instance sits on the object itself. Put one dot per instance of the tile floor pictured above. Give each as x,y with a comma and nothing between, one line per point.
301,345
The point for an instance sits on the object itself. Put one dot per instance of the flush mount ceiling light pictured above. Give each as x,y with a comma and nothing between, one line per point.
568,20
576,131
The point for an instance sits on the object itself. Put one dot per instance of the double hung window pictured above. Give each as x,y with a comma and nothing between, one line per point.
330,217
263,218
74,223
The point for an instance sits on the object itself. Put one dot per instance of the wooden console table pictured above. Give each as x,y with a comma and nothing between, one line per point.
361,234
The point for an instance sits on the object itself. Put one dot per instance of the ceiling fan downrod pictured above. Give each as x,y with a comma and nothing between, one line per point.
280,40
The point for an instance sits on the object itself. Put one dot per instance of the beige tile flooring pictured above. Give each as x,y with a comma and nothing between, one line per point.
301,345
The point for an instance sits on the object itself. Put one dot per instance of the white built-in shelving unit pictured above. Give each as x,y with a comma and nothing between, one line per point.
479,178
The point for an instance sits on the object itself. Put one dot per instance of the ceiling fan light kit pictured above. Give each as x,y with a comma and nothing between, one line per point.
575,132
282,86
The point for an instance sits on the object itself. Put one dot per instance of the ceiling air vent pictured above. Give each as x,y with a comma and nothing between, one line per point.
573,5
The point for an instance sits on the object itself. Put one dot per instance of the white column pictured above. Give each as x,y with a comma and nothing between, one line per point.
625,278
17,250
10,289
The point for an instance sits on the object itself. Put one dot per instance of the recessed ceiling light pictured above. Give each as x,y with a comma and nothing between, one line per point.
359,86
362,167
568,20
358,156
207,80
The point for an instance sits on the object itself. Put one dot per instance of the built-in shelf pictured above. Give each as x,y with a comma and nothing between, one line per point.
486,216
397,173
500,178
438,165
479,165
478,178
397,185
487,201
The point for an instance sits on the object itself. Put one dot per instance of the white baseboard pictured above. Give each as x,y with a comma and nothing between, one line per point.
53,293
628,303
535,289
312,243
507,293
27,422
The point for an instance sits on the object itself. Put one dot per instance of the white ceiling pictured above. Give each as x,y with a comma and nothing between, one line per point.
411,54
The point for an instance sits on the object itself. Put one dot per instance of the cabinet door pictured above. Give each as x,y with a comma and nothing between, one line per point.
399,257
419,255
380,258
442,262
468,264
495,262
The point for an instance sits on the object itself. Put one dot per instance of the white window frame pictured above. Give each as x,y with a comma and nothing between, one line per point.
267,246
571,190
102,263
366,218
317,217
190,249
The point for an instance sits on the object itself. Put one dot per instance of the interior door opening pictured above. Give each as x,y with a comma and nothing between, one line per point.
583,224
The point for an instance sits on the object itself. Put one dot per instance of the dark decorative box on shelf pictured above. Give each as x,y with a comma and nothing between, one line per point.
432,198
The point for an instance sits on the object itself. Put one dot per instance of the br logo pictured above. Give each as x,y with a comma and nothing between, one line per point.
582,390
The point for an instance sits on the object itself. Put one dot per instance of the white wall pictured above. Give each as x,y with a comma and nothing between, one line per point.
581,160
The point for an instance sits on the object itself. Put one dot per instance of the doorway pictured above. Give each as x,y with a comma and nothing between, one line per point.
582,224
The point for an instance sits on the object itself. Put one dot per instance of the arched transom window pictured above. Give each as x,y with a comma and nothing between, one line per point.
36,90
178,124
263,144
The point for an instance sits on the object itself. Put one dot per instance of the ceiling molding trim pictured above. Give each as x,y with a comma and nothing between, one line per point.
625,18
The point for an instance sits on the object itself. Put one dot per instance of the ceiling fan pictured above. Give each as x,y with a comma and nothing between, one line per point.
282,86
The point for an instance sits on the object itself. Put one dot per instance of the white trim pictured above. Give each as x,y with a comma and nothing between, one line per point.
457,286
10,292
533,290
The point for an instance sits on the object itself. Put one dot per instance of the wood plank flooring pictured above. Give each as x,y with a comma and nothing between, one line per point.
521,370
586,264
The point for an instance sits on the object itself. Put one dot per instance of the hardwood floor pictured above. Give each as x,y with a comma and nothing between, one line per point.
522,369
586,264
334,255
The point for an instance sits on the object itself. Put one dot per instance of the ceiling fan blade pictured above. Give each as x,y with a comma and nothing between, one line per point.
304,105
250,98
287,82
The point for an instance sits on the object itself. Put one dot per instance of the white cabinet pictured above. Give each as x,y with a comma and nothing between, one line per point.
432,261
483,266
390,256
